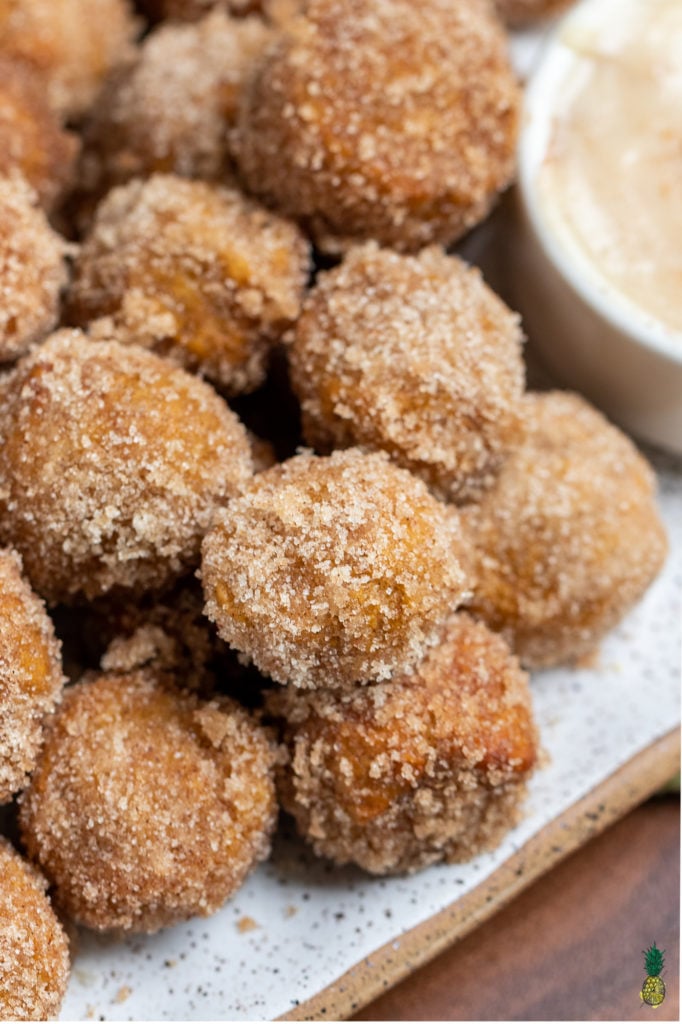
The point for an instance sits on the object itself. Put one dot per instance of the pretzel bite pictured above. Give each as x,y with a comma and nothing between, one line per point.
382,119
569,538
170,109
112,464
32,270
34,950
523,12
430,766
414,355
195,272
148,805
331,571
73,46
32,142
31,675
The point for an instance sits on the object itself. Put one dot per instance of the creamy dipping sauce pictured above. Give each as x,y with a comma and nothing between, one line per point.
612,175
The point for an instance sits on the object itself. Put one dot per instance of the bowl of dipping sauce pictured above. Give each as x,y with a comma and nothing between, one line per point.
597,274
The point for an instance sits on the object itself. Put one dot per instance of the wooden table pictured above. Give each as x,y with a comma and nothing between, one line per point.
569,947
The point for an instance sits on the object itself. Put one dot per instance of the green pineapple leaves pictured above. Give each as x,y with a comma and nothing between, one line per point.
654,960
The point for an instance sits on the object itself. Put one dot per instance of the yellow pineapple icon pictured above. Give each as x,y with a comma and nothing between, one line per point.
653,989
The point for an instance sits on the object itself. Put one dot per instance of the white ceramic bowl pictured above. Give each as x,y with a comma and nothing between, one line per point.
586,334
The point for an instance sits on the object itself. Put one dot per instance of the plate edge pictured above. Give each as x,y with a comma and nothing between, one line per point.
612,798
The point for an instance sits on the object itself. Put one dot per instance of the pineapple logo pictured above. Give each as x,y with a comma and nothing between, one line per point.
653,989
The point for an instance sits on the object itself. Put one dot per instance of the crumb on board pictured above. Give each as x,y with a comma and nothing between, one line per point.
123,993
246,924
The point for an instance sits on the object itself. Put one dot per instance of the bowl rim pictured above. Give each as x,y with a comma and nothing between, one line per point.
538,109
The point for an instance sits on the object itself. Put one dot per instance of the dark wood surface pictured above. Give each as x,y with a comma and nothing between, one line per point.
570,946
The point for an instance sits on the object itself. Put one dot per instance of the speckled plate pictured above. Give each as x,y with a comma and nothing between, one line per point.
308,940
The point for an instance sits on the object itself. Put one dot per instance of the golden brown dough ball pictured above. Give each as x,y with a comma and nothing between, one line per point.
73,44
428,767
384,119
569,538
32,142
32,270
170,109
523,12
331,571
413,355
148,805
112,464
34,950
193,271
31,675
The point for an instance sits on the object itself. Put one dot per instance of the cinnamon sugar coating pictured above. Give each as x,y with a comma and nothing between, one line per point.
72,46
431,766
32,270
413,355
169,109
32,141
195,272
569,538
34,949
148,805
112,463
382,119
331,571
31,676
523,12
